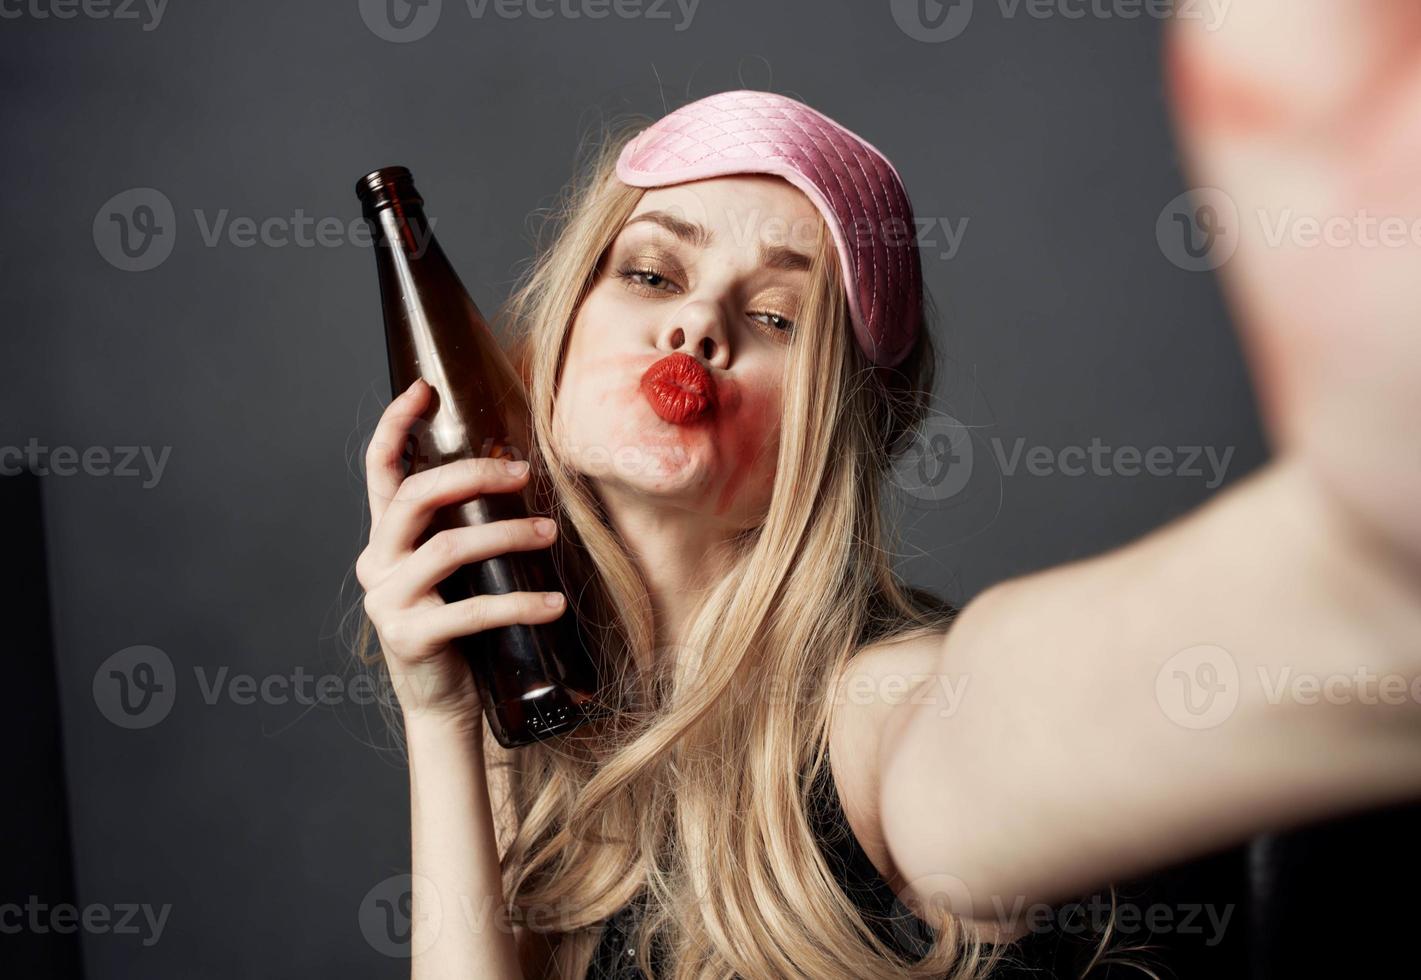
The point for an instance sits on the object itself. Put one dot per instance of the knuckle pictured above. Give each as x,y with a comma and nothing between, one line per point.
478,471
365,572
515,534
374,609
385,443
397,636
415,486
378,449
445,545
480,617
373,456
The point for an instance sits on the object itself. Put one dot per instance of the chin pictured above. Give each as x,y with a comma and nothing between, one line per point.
657,471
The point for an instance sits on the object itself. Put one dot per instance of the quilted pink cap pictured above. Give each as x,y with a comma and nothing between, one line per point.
853,185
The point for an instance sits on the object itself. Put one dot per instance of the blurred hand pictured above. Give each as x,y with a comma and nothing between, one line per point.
1307,114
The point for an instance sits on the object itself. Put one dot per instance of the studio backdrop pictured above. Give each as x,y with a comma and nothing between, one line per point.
194,360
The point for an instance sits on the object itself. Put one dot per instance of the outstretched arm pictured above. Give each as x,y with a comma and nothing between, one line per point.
1251,665
1256,663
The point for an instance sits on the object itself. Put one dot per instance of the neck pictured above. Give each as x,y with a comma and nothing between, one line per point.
680,553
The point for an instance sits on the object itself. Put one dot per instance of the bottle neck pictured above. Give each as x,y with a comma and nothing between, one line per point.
394,211
401,226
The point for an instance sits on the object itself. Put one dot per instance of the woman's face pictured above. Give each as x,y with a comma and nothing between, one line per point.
671,382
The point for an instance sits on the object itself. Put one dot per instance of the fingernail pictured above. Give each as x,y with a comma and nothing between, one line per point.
553,599
544,527
517,467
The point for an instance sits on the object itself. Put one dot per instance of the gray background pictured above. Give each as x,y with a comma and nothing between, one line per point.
265,825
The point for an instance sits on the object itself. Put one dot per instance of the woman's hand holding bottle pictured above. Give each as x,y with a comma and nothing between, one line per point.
401,566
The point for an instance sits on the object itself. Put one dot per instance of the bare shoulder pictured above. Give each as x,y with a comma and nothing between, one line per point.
876,683
878,679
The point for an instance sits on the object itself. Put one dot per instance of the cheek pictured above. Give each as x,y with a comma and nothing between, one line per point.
594,387
603,420
748,431
593,383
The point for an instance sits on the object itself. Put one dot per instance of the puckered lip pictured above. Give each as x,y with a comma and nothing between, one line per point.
679,388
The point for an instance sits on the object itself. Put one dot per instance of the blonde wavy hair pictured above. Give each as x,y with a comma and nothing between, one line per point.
691,796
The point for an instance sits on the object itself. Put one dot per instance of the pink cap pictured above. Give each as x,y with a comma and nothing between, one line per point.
852,184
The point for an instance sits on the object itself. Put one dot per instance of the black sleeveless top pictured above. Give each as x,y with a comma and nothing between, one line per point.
1040,956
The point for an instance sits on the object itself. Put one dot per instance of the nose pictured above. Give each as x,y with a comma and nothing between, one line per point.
698,329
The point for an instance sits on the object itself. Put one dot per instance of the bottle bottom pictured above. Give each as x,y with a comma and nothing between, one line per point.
544,715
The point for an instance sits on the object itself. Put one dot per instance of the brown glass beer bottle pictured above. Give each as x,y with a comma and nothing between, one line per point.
535,681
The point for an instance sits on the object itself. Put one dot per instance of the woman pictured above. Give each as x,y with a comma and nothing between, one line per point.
719,374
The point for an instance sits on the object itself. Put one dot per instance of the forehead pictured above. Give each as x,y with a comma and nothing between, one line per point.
759,207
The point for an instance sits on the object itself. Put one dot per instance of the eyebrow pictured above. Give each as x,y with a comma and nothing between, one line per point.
772,256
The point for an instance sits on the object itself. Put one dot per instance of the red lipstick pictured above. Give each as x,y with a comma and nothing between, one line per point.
679,388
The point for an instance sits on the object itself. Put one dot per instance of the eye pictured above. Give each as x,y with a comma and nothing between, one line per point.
779,324
649,279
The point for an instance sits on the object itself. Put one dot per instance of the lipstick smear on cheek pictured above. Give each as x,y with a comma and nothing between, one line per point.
604,417
746,425
741,433
638,440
